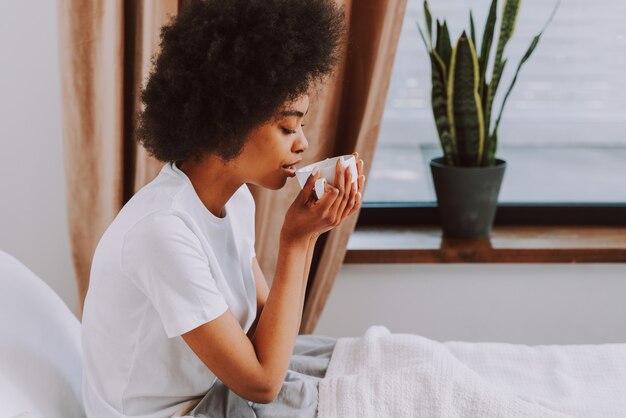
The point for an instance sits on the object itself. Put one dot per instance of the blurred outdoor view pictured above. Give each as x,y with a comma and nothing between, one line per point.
563,132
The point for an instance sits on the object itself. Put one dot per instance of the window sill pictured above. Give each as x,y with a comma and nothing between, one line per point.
507,244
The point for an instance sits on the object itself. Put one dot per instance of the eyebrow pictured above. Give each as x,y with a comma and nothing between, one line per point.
293,112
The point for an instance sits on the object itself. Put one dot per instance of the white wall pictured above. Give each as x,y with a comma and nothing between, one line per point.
515,303
33,225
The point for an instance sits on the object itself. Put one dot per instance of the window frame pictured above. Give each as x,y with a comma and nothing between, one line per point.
427,214
530,216
559,233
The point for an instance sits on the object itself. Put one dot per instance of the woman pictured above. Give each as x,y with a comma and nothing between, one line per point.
176,297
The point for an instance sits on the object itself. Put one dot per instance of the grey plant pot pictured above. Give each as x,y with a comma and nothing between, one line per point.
467,197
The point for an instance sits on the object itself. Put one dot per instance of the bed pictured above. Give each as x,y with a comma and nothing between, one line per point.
40,367
378,374
381,374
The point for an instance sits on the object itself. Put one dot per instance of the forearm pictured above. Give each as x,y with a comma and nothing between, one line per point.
279,321
252,329
307,268
309,258
305,277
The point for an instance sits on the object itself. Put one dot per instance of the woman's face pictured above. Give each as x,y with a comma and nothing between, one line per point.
274,148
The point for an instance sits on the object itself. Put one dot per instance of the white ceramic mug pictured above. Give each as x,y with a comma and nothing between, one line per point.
327,172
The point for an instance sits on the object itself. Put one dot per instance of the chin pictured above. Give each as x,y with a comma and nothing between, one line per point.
274,183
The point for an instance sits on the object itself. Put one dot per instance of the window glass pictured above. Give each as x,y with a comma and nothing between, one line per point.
563,133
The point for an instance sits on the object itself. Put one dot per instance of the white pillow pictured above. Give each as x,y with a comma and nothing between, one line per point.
40,351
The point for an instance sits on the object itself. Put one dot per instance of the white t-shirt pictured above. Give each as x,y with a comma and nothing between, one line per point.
165,266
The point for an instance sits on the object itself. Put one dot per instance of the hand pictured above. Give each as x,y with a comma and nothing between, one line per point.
358,198
309,217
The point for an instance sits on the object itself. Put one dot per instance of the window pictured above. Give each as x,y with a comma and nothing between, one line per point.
563,133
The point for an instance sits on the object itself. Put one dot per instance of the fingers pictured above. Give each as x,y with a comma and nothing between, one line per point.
359,170
350,202
308,190
357,204
339,186
346,196
310,181
349,193
359,164
339,174
330,197
360,184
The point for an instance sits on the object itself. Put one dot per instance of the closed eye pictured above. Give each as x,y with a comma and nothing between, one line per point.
288,131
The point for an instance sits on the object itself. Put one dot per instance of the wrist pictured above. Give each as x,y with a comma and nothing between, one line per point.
313,237
295,240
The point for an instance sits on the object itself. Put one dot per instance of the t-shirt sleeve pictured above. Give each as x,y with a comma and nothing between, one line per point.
165,260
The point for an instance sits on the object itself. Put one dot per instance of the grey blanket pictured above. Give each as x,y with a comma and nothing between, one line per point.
297,397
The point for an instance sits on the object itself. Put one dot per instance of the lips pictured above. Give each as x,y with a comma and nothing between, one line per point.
291,164
290,169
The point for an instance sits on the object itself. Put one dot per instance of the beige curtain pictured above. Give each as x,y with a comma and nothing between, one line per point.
105,50
344,118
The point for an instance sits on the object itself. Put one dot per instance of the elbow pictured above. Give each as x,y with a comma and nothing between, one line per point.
265,399
264,387
265,396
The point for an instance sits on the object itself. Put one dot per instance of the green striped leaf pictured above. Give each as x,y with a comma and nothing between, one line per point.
485,51
491,144
426,45
464,106
507,27
525,58
529,51
429,21
439,106
472,28
444,46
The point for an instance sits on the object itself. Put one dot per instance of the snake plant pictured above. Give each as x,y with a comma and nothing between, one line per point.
461,97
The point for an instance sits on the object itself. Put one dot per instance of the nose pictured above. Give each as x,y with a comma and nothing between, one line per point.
300,144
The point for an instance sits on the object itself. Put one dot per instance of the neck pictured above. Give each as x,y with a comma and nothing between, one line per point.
214,181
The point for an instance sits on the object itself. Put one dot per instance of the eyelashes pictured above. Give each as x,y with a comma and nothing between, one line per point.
288,131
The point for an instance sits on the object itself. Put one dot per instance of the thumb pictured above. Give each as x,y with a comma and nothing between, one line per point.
309,186
310,182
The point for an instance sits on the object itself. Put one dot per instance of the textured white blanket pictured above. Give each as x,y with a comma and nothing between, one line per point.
402,375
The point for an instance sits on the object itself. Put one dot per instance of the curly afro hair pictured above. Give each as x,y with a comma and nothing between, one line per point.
226,67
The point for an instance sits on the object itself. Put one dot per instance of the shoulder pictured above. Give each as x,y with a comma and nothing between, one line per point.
158,238
158,220
165,192
163,227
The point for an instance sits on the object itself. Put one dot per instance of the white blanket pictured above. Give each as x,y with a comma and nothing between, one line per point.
402,375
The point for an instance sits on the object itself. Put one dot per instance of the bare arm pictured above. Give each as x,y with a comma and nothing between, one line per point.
353,205
262,289
277,328
255,368
307,268
262,292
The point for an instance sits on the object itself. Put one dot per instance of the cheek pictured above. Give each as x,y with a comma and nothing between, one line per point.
264,154
276,147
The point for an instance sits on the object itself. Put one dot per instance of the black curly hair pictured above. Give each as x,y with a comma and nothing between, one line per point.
227,66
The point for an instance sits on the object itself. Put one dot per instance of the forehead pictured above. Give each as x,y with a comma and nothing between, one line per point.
297,108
